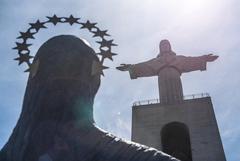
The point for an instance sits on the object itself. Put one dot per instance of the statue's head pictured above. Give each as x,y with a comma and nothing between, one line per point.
61,79
165,47
66,58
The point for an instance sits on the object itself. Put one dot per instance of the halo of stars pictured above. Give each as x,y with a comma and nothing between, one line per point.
105,46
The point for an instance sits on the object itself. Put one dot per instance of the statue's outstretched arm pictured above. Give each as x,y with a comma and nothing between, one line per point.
144,69
188,64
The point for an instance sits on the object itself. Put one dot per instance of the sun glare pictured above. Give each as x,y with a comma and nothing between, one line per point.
189,13
193,5
180,6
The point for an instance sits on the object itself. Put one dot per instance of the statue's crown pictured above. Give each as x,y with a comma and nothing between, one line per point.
105,46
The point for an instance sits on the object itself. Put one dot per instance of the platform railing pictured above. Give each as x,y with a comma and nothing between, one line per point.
157,101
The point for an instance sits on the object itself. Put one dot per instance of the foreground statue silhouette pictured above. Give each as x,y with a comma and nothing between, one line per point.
168,67
56,122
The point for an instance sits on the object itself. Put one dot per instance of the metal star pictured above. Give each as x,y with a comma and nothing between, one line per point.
71,20
26,35
54,19
100,33
106,54
97,68
23,58
106,43
38,25
29,68
22,46
33,68
88,25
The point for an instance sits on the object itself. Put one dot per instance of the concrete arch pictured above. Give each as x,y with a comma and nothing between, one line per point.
175,140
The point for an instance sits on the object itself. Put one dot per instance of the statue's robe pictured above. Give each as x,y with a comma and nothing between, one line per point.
94,144
168,68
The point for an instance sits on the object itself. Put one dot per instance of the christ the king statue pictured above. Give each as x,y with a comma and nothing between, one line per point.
168,67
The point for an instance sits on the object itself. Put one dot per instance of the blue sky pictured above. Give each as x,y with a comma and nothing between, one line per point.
193,27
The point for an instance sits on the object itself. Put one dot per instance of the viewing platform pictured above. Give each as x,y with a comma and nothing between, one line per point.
157,101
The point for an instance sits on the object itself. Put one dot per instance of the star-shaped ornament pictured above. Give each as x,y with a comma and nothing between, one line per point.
88,25
33,68
100,33
38,25
23,58
97,68
26,35
54,19
71,20
22,46
106,43
107,54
